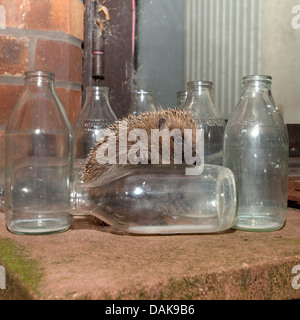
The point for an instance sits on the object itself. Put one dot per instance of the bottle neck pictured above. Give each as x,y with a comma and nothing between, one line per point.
142,96
200,100
256,85
80,199
200,88
39,77
141,101
39,82
96,93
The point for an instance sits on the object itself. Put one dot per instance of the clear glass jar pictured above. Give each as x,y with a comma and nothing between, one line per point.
38,160
141,101
200,103
180,99
160,199
256,150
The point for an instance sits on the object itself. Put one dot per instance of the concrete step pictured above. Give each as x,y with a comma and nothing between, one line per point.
93,262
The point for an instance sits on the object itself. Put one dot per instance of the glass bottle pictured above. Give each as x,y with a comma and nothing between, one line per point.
141,101
200,103
38,160
256,150
160,199
180,99
95,116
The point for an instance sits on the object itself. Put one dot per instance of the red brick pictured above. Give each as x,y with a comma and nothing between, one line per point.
76,19
9,95
71,100
59,15
14,56
62,58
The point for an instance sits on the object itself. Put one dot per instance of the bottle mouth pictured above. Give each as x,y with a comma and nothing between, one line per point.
200,83
181,93
97,88
39,73
257,78
142,92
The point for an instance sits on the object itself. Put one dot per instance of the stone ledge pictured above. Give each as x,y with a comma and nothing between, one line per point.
91,262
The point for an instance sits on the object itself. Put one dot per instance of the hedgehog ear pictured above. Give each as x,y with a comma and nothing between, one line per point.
161,123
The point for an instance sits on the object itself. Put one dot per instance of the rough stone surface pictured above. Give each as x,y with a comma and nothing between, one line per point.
92,262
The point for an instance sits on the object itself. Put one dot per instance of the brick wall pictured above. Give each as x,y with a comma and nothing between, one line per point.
42,35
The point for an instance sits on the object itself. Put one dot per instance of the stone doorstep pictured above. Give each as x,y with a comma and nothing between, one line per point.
92,262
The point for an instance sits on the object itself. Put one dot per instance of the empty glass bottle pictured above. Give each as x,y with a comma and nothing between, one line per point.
38,160
95,116
256,150
141,101
160,199
208,117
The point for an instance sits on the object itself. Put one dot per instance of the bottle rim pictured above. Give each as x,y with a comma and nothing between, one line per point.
39,73
202,83
142,91
97,88
257,78
181,93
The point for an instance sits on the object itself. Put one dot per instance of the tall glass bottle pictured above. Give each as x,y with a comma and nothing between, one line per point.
95,116
141,101
256,149
200,103
38,160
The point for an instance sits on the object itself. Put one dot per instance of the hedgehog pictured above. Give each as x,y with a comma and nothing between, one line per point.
169,119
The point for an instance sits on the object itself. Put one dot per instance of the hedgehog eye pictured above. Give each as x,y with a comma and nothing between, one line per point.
161,123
